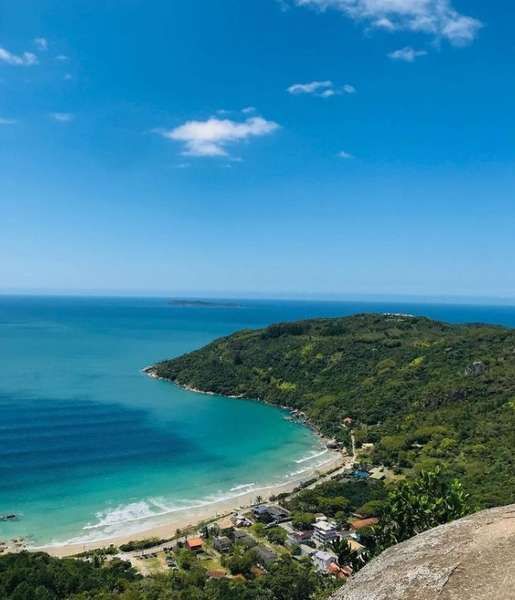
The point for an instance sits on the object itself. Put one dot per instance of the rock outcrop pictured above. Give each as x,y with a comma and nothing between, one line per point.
469,559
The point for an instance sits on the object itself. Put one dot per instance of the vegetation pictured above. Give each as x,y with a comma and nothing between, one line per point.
37,576
337,498
346,555
425,393
415,506
142,545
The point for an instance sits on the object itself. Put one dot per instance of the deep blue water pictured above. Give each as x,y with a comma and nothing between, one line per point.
91,447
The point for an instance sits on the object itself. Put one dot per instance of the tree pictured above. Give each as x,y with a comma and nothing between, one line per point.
419,504
290,579
346,555
303,521
276,535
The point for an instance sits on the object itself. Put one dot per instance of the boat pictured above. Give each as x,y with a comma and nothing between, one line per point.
9,517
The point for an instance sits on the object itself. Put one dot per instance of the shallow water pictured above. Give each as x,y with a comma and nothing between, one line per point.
90,447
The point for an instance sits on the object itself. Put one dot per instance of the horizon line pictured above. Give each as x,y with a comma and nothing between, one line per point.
270,296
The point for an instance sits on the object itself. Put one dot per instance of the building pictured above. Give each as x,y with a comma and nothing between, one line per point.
239,520
322,559
240,537
359,524
222,543
306,550
360,474
265,556
270,513
195,544
216,574
295,536
324,532
355,546
339,572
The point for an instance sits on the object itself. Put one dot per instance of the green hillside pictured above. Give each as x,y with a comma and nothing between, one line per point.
424,392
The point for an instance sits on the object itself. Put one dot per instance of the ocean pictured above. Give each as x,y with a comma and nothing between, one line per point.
91,448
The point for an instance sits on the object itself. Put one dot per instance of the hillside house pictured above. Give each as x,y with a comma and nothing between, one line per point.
324,532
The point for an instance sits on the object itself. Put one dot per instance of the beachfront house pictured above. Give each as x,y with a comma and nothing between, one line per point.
322,559
239,520
270,513
222,543
195,544
324,532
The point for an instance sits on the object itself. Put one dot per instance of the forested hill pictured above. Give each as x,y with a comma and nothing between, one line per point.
424,392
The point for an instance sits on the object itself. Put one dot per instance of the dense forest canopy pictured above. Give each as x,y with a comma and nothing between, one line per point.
425,393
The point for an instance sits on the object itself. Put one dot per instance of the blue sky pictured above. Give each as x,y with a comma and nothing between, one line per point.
302,147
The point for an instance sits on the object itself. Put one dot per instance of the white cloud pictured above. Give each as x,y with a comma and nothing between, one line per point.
210,137
62,117
314,87
322,89
26,59
62,58
407,54
41,43
345,155
4,121
248,110
434,17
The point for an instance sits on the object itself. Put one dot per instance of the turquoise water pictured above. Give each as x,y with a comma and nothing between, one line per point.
90,447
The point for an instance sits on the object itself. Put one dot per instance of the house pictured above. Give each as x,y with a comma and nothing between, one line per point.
265,556
195,544
295,536
324,532
359,524
216,574
360,474
339,572
240,537
306,550
239,520
355,546
222,543
270,513
322,559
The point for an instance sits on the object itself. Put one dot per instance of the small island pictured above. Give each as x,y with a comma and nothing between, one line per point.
194,303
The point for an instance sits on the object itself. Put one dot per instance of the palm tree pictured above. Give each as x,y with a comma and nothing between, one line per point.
346,555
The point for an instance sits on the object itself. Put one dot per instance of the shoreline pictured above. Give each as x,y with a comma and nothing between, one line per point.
191,518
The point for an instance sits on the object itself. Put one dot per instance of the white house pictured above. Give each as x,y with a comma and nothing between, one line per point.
322,560
324,532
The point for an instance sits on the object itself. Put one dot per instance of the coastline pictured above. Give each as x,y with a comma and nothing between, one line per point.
191,518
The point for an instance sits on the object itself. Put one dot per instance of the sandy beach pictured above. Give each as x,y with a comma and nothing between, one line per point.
190,518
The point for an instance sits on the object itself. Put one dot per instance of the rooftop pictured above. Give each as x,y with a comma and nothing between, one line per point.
362,523
324,526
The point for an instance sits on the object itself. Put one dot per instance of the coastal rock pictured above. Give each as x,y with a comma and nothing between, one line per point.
469,559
